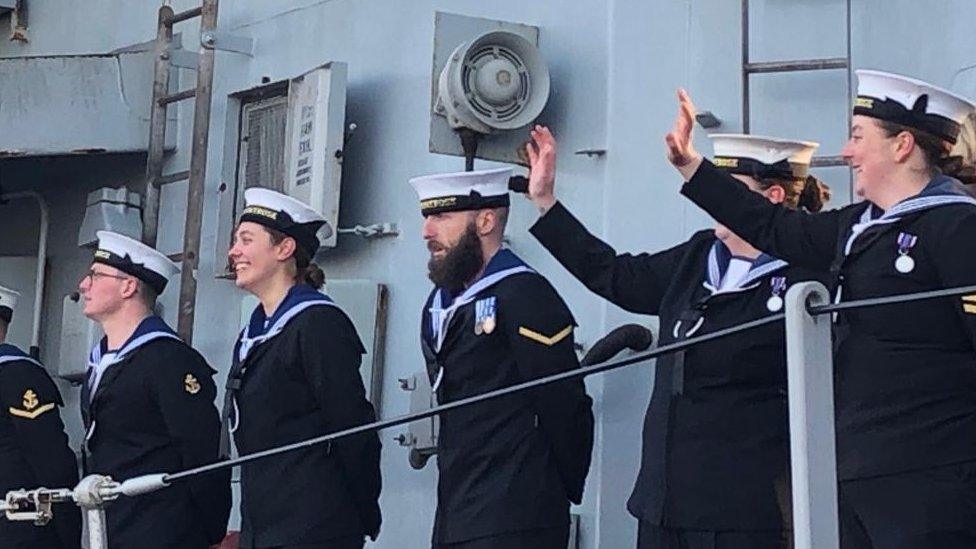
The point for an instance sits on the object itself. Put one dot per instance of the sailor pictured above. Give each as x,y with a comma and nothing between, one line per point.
34,449
715,455
295,376
905,374
509,467
148,404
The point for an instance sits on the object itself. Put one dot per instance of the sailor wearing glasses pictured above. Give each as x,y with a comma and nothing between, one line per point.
148,404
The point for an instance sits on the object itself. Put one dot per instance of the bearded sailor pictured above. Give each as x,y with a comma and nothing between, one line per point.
33,446
148,404
510,467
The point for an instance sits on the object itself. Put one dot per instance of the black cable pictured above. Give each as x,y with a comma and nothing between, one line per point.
408,418
816,310
562,376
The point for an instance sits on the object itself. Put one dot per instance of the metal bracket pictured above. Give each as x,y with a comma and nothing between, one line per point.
372,231
183,59
707,119
227,42
33,506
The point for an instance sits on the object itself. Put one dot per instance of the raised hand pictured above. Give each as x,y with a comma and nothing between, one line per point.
681,150
541,151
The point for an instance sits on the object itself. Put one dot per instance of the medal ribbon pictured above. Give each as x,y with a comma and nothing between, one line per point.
906,242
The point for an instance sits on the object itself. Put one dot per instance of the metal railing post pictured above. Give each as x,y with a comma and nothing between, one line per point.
95,523
810,373
92,494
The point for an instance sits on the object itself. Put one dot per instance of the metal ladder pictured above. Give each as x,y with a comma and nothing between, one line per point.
750,68
168,57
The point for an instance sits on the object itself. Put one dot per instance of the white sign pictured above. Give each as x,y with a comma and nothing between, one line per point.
314,140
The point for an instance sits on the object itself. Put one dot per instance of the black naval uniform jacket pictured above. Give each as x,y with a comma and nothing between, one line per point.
34,451
904,374
296,380
511,464
715,451
153,412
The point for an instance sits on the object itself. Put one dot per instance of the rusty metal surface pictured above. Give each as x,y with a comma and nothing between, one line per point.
157,126
198,174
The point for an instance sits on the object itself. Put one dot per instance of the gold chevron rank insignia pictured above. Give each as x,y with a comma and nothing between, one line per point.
969,304
544,339
191,385
32,406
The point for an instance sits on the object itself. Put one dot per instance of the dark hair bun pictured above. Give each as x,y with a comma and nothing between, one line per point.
313,276
814,195
952,165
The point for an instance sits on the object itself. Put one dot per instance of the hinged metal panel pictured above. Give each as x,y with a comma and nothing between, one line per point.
75,104
314,140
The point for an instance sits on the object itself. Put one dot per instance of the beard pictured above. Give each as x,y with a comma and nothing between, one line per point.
459,264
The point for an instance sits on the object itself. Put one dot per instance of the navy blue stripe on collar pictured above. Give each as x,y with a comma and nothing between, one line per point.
8,350
260,323
720,257
943,185
150,324
503,260
151,328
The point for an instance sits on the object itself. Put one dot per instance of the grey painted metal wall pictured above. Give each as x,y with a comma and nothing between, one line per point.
615,65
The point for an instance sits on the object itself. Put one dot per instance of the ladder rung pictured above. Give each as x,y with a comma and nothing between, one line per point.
827,161
184,15
179,96
75,378
173,177
795,66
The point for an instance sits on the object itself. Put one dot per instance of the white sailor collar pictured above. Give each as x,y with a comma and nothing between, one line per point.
150,329
719,258
501,266
942,190
261,328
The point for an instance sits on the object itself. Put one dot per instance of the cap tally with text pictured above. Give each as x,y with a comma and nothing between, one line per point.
135,258
763,157
460,191
287,215
8,301
911,103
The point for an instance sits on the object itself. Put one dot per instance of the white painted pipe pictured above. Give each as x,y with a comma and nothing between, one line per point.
41,260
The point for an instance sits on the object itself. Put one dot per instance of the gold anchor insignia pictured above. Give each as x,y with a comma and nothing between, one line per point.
32,408
30,400
191,384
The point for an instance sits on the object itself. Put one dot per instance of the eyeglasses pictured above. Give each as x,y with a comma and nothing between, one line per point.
92,276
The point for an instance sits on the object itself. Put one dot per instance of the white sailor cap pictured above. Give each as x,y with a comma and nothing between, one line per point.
763,157
911,103
453,192
287,215
8,300
135,258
